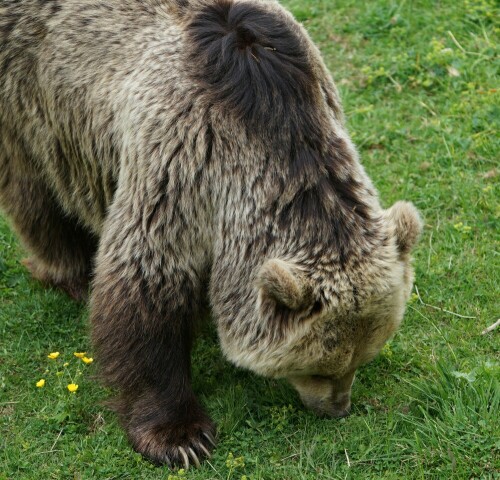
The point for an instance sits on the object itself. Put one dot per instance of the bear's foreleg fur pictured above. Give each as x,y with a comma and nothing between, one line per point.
143,305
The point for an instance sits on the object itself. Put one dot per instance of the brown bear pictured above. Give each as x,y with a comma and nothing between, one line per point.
184,151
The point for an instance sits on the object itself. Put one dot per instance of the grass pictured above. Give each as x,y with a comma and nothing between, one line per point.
419,82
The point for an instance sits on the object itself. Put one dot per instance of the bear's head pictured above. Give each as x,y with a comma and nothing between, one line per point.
318,320
310,276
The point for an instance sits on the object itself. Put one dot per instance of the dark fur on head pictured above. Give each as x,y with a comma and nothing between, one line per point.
255,64
251,62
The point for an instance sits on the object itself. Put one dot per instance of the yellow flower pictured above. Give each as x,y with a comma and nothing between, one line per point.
40,383
413,298
386,351
65,364
462,228
87,360
79,354
72,387
53,355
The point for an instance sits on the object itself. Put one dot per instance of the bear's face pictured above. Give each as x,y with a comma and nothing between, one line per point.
341,344
323,322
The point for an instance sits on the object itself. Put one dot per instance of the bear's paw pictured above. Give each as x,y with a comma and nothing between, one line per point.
175,443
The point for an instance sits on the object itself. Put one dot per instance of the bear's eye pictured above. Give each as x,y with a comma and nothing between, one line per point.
316,308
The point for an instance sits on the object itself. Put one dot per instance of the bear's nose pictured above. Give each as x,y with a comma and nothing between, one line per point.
341,405
340,413
326,408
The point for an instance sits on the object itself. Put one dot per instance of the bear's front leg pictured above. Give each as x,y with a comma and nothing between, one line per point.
144,299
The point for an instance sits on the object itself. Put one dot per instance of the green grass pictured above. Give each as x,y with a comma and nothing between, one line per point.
419,83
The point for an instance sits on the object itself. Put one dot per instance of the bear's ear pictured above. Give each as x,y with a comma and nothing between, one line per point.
282,282
407,225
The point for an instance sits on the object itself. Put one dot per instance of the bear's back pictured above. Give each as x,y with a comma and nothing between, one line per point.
79,82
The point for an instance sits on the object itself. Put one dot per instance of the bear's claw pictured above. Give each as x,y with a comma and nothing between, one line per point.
182,447
192,454
210,438
184,457
187,456
205,451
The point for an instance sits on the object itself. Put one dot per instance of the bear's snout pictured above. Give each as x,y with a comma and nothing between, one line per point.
325,396
336,406
341,406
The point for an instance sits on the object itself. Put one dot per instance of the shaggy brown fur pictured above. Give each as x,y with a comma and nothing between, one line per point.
194,149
